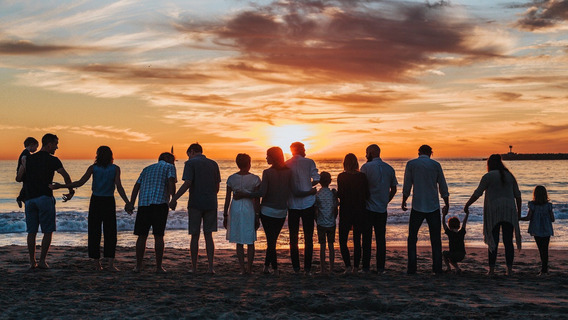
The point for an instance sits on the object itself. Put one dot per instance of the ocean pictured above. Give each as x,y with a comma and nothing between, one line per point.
462,175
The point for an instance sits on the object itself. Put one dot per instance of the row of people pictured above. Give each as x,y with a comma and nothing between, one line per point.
285,190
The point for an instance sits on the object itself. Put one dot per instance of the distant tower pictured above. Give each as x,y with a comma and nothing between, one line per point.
510,149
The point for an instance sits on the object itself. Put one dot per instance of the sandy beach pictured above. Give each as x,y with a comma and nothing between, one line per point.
70,289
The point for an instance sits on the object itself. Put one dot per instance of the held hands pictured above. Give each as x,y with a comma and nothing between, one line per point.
445,210
466,209
173,204
129,208
403,206
68,196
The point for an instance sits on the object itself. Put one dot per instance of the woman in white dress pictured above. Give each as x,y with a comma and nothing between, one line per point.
240,216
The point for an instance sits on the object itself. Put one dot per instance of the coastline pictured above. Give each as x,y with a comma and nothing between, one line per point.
72,290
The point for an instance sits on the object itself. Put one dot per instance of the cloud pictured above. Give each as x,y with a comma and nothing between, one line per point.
25,47
544,15
507,96
337,41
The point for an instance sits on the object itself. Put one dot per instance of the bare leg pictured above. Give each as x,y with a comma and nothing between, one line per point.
159,248
194,250
140,249
250,257
111,265
32,249
241,257
45,243
97,264
322,258
447,262
210,247
331,257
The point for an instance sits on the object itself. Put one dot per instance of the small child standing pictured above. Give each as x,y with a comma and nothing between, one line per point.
30,146
541,218
326,214
240,217
456,239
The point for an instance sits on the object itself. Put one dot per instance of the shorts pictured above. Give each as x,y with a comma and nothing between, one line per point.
454,256
155,216
40,211
195,216
326,232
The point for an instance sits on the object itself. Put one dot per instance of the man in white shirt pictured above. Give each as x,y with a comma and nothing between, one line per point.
426,178
382,188
304,176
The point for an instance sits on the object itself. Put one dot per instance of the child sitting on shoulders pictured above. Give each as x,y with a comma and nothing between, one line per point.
541,218
326,213
456,239
30,146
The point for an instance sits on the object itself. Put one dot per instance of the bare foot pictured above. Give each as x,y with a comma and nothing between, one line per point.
32,267
355,270
266,270
112,268
98,266
43,265
211,271
160,270
509,271
348,270
137,269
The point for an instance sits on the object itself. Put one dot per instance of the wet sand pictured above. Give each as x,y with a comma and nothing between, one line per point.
71,289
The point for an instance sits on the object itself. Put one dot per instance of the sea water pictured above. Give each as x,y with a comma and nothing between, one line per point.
462,176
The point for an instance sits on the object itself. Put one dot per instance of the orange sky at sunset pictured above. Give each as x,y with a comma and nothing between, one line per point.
467,77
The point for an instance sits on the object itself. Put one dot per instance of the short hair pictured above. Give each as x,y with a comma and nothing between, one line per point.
454,223
374,150
350,163
425,149
167,157
297,146
104,156
49,138
30,141
196,147
325,179
242,160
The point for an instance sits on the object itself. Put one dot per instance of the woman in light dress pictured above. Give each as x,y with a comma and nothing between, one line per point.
501,210
240,217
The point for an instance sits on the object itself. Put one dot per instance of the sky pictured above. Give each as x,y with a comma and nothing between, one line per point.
467,77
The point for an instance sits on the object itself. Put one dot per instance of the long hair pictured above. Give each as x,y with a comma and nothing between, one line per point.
104,157
495,163
350,163
540,195
277,156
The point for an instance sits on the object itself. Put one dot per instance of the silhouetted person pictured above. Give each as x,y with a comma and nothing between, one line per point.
326,214
353,192
30,146
425,178
456,241
501,210
202,178
382,188
304,177
37,172
156,184
102,207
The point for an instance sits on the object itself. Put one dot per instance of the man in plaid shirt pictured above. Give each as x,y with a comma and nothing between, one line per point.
156,184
